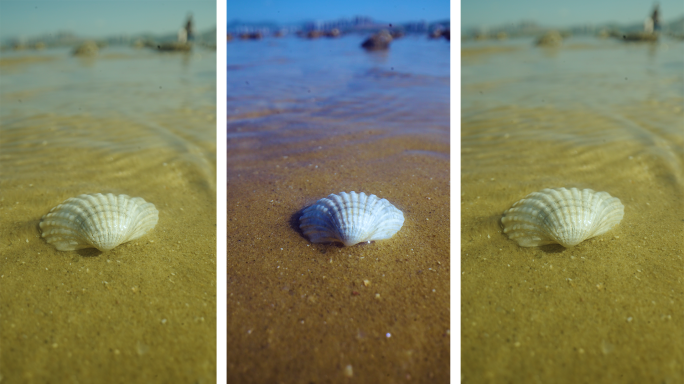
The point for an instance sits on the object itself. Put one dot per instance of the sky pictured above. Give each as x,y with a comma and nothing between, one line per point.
294,11
474,13
96,19
555,13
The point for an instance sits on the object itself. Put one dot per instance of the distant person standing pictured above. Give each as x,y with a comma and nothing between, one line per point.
656,18
189,29
182,36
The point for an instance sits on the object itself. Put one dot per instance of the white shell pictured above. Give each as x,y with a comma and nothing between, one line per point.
98,221
563,216
350,218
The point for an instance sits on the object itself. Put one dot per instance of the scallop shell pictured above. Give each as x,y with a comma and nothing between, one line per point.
350,218
563,216
98,221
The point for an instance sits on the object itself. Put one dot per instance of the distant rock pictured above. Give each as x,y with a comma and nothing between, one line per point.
550,39
436,33
447,34
174,47
377,42
87,48
649,37
440,32
333,33
314,34
251,36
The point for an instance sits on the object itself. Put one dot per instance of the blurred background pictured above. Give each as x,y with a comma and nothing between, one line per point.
26,24
42,42
481,19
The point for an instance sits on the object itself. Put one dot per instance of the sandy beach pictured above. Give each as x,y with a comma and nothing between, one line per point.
609,309
307,311
146,310
369,313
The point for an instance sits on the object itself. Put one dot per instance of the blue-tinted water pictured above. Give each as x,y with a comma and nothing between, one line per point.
585,72
120,81
328,86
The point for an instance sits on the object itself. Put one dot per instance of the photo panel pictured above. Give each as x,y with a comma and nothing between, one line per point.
108,191
572,139
338,192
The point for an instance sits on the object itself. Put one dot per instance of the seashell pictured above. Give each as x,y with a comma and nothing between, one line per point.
350,218
563,216
98,221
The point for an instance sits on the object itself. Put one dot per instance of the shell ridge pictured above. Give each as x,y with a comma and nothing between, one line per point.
594,211
87,204
137,225
393,222
110,233
338,204
540,205
107,235
377,223
365,218
318,219
372,221
352,215
563,214
557,212
612,214
574,228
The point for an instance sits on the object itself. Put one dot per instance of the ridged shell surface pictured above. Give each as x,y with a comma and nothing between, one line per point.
563,216
98,221
350,218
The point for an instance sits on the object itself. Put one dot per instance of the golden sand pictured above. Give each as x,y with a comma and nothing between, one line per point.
12,62
142,312
607,310
302,312
477,52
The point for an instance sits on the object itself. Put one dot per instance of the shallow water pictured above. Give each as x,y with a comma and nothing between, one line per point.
127,122
307,119
596,114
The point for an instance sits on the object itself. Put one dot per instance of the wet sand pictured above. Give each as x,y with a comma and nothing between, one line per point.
10,63
302,312
473,53
142,312
605,311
